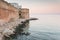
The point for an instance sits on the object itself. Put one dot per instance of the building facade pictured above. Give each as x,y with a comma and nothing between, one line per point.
24,13
7,11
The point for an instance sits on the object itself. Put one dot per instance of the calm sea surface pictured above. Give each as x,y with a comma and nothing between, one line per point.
46,28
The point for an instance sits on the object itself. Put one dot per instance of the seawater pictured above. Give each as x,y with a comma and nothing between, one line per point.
47,27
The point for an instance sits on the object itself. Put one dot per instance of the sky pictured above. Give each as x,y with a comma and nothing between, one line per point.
40,6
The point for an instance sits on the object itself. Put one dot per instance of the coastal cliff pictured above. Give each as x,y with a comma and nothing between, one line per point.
9,19
13,20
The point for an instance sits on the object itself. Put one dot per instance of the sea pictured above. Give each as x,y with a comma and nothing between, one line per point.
47,27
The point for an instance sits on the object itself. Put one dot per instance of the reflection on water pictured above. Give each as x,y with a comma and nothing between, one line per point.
46,28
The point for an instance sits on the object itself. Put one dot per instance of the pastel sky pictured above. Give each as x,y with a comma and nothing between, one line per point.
40,6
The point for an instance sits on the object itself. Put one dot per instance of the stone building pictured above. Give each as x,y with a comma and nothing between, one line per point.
7,11
24,13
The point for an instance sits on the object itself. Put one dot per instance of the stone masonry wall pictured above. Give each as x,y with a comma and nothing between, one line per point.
24,13
7,11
